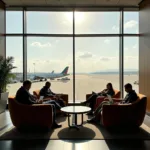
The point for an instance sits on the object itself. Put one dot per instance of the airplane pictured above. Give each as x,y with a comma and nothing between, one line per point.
52,75
64,73
39,78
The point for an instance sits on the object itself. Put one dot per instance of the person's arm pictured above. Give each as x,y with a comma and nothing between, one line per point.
103,91
32,99
52,93
132,98
42,92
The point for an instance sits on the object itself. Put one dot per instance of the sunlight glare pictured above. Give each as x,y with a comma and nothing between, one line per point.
79,17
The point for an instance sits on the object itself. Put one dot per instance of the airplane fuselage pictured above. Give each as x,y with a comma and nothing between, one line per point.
57,75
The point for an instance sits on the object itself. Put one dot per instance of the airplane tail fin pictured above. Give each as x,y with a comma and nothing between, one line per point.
65,71
52,72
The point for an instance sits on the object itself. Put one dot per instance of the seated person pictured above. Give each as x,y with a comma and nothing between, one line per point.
24,97
129,98
92,99
46,92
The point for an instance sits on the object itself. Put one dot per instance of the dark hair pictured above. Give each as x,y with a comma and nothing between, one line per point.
128,85
27,82
110,84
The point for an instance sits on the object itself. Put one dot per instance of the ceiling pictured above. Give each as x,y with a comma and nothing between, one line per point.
72,2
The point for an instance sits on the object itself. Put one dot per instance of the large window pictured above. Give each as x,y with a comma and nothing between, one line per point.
131,22
97,63
14,22
97,22
131,61
48,57
14,48
49,22
89,46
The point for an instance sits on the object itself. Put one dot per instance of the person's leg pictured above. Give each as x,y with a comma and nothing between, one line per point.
55,125
99,108
61,102
98,111
90,99
54,103
91,103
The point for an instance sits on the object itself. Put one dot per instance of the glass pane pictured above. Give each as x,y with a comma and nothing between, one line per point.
97,63
97,22
49,22
14,47
14,22
131,22
131,61
47,58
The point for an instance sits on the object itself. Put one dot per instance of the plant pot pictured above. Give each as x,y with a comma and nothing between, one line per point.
3,101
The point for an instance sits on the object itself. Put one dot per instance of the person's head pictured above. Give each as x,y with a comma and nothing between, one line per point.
109,86
128,87
48,84
27,84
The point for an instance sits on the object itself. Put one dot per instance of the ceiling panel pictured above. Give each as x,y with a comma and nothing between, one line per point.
129,2
33,2
107,2
73,2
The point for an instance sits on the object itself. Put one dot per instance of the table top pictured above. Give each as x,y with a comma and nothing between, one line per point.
76,109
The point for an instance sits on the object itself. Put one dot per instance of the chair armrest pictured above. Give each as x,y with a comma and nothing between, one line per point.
116,100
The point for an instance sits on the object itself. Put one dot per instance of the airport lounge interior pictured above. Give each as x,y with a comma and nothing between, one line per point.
74,74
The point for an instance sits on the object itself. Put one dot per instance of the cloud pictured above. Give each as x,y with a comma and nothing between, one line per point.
115,28
107,58
84,55
38,44
130,24
106,41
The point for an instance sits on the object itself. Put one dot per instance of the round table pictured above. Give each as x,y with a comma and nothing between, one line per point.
75,110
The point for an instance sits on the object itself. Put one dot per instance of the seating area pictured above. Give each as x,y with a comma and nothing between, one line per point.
41,114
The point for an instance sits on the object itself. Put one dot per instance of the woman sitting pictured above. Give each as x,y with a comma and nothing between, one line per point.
92,99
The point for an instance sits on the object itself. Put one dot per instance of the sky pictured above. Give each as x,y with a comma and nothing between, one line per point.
92,54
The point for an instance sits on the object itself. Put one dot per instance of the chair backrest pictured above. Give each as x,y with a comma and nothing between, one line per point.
117,94
36,93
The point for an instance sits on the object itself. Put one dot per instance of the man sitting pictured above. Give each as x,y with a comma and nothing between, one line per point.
24,97
46,92
129,98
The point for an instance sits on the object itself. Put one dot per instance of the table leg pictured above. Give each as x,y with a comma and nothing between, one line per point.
75,125
82,119
75,119
68,120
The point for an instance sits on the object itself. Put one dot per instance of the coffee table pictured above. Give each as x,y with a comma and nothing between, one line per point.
75,110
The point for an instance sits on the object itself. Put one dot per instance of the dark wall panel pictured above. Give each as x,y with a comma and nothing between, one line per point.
2,28
144,50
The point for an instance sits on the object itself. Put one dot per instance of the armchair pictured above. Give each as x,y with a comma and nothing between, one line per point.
125,115
37,115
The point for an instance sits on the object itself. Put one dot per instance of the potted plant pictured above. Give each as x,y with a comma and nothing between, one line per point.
6,66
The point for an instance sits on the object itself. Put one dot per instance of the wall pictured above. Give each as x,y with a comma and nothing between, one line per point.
144,50
2,29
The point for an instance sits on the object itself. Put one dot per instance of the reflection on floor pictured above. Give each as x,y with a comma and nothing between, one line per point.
5,123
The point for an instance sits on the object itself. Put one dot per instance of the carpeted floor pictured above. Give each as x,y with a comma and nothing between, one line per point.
87,132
